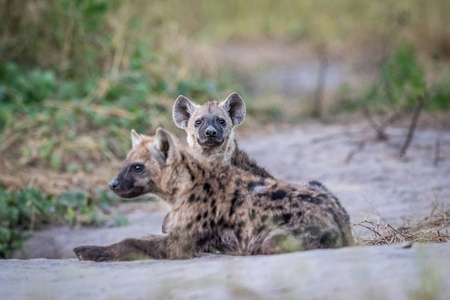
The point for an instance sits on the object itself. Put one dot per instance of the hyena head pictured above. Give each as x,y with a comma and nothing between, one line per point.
209,127
150,167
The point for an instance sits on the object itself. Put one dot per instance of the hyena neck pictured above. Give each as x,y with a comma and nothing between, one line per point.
195,172
224,151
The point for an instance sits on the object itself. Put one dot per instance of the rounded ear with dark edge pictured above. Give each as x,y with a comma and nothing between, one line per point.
182,111
235,107
166,148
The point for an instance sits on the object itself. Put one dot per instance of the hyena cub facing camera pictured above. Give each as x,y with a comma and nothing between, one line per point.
210,130
219,206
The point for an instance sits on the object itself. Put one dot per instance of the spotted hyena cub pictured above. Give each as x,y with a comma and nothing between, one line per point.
210,130
216,205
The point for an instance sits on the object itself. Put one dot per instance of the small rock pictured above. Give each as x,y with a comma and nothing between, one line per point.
407,244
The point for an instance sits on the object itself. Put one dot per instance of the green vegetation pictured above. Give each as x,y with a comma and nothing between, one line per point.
400,81
23,211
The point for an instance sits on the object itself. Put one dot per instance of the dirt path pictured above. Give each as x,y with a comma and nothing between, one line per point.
374,183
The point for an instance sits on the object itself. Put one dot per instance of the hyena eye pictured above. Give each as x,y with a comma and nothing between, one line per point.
138,168
221,121
198,122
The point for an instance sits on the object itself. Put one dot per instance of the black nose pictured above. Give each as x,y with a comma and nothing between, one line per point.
210,131
114,184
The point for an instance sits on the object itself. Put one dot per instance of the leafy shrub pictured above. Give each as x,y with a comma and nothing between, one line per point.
24,211
399,83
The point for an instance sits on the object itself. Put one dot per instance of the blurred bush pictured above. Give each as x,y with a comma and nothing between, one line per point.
400,81
23,211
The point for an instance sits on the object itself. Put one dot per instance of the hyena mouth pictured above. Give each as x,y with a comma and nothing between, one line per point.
135,192
210,142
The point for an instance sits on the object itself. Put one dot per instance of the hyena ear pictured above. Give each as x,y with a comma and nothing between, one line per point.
182,111
135,138
235,107
165,148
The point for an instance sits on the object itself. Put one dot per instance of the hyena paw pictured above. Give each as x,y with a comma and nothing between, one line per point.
94,253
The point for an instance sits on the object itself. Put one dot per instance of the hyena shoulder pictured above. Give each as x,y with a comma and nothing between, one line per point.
241,160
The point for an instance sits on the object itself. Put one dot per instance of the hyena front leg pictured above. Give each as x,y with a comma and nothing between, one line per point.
158,247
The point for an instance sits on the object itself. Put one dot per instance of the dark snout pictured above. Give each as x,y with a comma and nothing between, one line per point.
210,131
114,184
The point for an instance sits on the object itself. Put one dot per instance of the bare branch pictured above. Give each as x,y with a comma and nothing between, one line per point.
413,125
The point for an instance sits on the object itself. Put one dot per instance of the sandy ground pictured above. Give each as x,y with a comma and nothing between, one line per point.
385,272
375,183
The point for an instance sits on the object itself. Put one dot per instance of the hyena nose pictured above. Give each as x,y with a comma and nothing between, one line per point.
114,184
211,131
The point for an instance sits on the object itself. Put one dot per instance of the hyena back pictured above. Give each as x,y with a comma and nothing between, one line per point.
218,206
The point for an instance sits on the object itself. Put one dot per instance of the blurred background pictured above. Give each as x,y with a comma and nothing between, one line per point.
77,75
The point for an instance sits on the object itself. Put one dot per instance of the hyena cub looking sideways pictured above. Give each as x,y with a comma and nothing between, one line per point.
216,205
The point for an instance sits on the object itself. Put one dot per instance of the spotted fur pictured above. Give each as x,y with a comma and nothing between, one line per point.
218,206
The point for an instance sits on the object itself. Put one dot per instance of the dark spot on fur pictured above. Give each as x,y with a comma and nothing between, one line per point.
213,202
191,198
202,242
231,210
259,229
207,187
328,239
264,218
205,214
212,223
297,231
286,217
199,217
233,201
252,215
238,233
220,223
191,173
205,224
189,225
278,195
